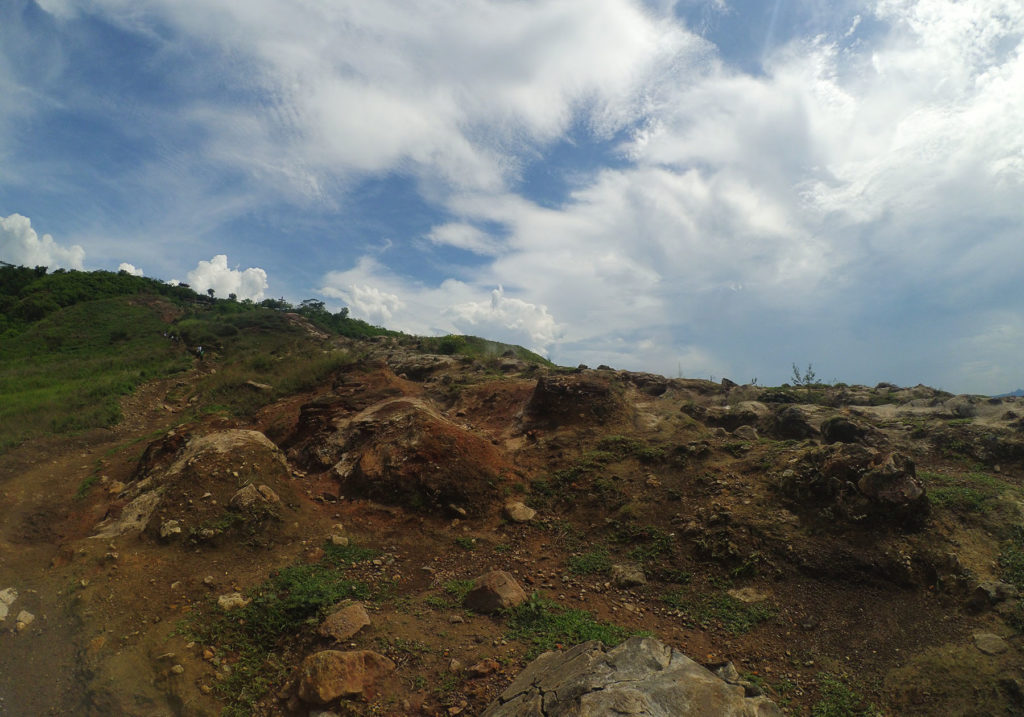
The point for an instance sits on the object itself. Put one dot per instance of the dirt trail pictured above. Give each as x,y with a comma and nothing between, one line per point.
42,527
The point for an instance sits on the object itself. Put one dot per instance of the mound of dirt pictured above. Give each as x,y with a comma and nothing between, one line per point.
199,488
402,451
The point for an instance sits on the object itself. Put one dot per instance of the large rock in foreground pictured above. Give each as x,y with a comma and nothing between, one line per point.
329,674
642,676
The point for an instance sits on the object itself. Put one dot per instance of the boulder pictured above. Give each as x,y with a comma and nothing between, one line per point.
585,397
746,433
493,592
327,675
840,429
642,676
791,422
893,482
344,623
251,498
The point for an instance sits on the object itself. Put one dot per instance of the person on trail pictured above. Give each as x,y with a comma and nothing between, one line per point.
199,352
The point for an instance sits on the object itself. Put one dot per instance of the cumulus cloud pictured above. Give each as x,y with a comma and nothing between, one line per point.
215,274
20,244
130,268
501,316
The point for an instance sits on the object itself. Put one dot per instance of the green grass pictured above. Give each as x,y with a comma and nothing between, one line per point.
454,592
649,543
545,625
66,372
725,611
594,562
964,493
839,700
283,609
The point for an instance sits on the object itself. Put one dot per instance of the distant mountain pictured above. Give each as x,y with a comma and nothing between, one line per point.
1011,394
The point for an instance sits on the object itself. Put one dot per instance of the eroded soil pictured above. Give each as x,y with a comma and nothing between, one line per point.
622,468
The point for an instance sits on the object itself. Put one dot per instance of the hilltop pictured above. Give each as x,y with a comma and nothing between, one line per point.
178,523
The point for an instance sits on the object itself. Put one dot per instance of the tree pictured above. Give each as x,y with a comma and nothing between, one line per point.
210,292
807,379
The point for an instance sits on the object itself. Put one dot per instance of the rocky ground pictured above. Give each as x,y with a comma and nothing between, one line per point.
843,547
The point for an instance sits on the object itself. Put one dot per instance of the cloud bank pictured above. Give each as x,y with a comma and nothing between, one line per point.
20,244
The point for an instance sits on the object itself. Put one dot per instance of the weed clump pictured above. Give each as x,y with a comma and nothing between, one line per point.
285,606
546,625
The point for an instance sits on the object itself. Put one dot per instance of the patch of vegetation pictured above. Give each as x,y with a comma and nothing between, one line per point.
64,373
287,605
477,348
839,700
595,562
465,542
455,592
546,625
649,542
722,610
1011,559
971,492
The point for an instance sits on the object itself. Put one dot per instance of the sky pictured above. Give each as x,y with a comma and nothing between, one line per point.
700,188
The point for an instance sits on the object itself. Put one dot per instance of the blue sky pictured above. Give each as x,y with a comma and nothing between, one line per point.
721,187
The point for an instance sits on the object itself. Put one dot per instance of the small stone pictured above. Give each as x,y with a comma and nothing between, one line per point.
207,654
519,512
454,666
483,668
232,601
344,623
7,598
749,595
493,592
24,619
170,528
178,670
339,540
990,644
627,576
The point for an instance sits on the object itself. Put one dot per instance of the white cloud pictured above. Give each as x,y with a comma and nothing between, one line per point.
20,244
130,268
501,316
464,236
454,92
215,274
374,293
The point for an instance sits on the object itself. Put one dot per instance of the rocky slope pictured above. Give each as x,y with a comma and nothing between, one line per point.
838,547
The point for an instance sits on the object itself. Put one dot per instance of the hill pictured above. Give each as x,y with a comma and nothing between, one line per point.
186,532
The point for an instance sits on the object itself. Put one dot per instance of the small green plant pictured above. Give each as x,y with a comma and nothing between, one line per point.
466,543
732,615
546,625
283,607
595,562
839,700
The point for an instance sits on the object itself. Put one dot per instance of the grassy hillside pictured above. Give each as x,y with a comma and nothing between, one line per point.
73,343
